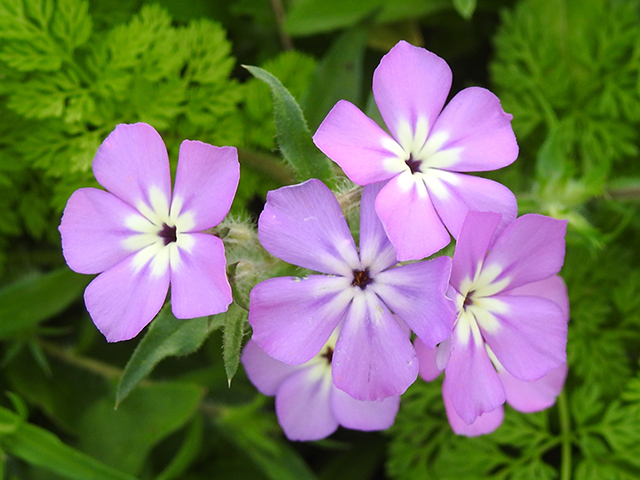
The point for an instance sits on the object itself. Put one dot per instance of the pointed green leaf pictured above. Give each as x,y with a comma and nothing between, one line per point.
167,336
234,327
36,298
465,7
294,138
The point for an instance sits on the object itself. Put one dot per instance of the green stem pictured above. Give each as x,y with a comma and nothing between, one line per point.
565,435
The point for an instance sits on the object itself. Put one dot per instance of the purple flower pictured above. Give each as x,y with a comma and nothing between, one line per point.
308,404
140,238
509,341
293,317
427,148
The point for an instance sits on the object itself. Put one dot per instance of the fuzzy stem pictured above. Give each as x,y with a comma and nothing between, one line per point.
565,434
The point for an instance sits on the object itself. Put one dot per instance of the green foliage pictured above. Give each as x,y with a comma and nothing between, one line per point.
235,326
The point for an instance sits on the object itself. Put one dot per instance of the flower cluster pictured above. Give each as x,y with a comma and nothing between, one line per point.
340,346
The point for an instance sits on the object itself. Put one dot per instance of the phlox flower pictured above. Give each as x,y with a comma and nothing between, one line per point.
293,318
427,152
509,340
139,237
308,404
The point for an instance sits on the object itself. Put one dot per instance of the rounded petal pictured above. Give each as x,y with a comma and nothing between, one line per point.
408,216
471,381
292,318
455,194
376,251
530,249
552,288
265,372
132,163
374,358
411,84
529,337
94,230
199,284
533,396
483,424
303,407
476,237
429,371
365,152
304,225
363,415
416,294
206,182
479,131
125,298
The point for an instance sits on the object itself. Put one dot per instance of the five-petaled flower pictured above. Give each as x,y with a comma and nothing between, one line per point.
140,238
308,405
425,152
509,340
293,318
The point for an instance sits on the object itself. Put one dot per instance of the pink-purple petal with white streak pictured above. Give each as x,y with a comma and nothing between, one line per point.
206,182
416,294
303,407
373,358
483,424
474,122
471,381
292,318
474,241
408,216
265,372
361,414
455,194
304,225
531,337
199,284
357,143
410,83
124,299
93,230
535,395
131,160
530,249
376,251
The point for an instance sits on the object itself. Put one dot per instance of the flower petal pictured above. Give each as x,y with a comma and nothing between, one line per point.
206,182
199,284
410,85
475,124
132,163
476,236
365,152
552,288
531,336
483,424
94,230
427,360
530,249
373,358
303,225
265,372
471,382
455,194
376,251
408,216
292,318
416,294
303,407
533,396
125,298
363,415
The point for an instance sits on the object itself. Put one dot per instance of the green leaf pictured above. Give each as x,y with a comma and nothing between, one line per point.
294,138
167,336
187,453
37,298
337,77
315,16
123,438
39,447
234,327
465,7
